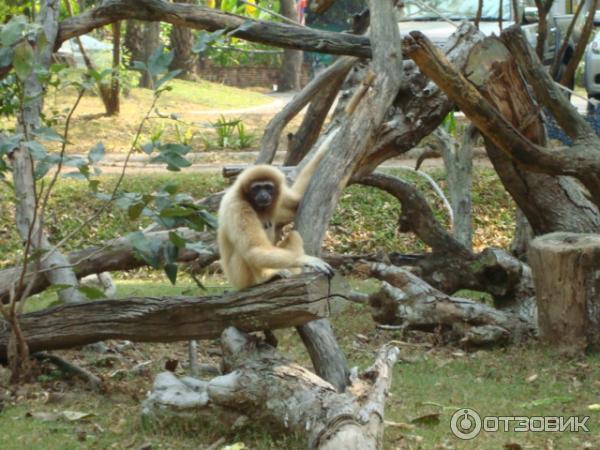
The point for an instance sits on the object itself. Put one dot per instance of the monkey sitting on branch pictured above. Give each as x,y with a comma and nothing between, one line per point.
252,215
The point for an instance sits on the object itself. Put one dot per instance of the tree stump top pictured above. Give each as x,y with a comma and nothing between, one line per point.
564,241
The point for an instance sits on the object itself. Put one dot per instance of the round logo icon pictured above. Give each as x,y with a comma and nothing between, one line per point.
465,424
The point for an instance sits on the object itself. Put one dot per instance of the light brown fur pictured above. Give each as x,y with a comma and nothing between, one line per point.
251,253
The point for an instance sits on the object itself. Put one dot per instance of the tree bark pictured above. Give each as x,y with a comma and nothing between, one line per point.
543,203
204,18
291,63
266,387
134,40
408,301
458,161
151,43
566,268
279,304
113,106
308,133
27,220
523,235
272,134
352,139
181,43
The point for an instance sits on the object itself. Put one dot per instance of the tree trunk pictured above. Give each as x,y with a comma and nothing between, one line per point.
352,139
458,160
181,43
523,235
267,388
151,43
566,270
113,105
279,304
134,40
291,63
28,222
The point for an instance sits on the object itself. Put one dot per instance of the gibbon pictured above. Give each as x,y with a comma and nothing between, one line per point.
251,216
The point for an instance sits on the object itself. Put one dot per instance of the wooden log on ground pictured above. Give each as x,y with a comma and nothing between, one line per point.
566,271
267,388
284,303
407,301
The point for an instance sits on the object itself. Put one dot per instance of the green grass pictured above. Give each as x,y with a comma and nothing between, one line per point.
214,95
519,380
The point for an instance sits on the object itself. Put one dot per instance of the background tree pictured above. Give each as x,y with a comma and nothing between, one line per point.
291,62
134,40
150,42
181,42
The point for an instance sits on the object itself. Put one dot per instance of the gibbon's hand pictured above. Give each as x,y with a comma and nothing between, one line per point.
317,264
280,275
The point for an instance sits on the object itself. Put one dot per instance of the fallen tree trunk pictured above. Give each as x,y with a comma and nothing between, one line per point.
284,303
115,255
267,388
407,301
452,266
566,268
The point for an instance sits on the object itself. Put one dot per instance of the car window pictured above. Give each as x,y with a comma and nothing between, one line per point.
454,10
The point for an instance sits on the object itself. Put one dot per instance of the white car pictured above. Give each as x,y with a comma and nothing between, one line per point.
591,72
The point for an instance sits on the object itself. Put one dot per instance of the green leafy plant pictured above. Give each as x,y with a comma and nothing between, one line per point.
245,138
225,130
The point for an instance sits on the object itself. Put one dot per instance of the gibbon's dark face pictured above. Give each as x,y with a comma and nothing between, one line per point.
262,194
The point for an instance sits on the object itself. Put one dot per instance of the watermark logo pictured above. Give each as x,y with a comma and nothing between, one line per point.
466,424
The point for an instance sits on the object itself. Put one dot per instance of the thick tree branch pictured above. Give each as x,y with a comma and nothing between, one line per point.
406,300
351,139
546,91
270,139
574,161
284,303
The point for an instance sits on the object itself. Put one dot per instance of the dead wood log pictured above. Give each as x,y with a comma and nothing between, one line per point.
419,107
408,301
452,266
352,139
566,270
267,388
115,255
579,161
284,303
550,203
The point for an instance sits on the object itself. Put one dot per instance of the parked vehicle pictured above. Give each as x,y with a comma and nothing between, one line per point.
591,72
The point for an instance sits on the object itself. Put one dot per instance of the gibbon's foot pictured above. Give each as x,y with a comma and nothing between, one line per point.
317,264
270,338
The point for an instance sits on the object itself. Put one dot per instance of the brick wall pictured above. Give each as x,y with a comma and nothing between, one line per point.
246,76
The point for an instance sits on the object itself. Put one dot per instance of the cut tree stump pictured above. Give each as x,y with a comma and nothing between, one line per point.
566,272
